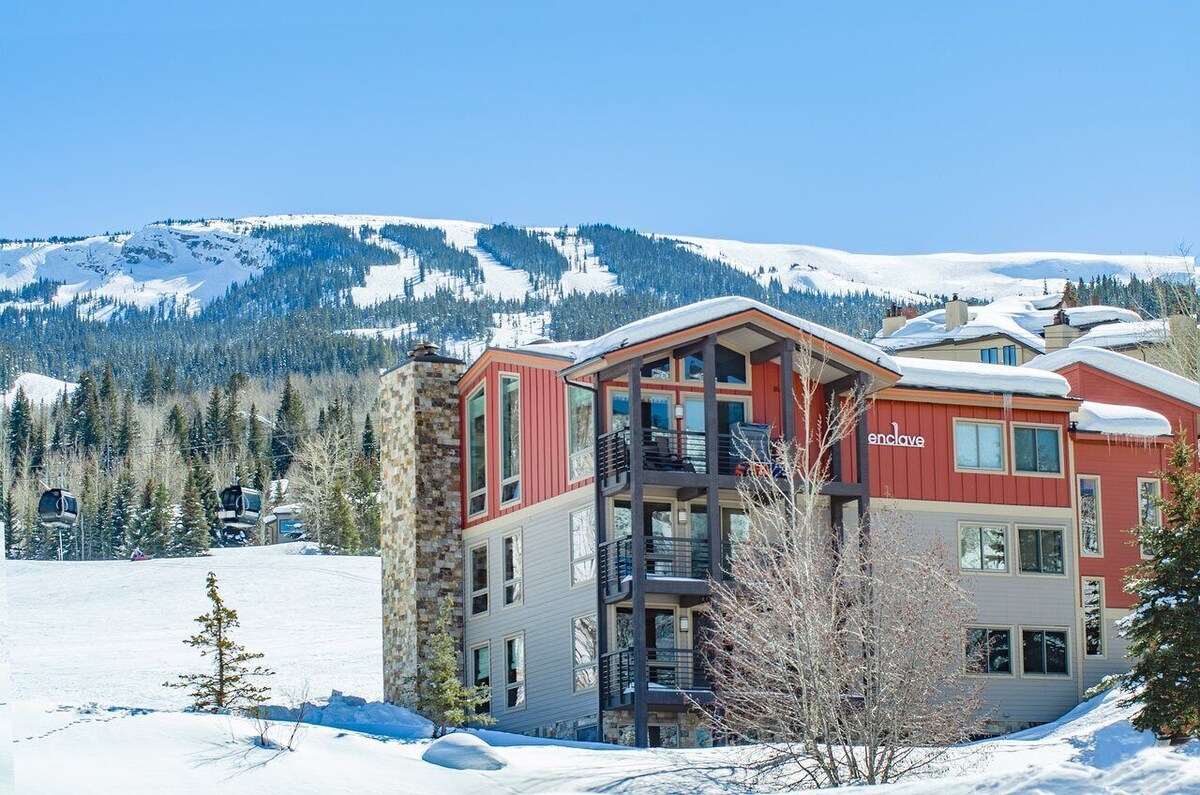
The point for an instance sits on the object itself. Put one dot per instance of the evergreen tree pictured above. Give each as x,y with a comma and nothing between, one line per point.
1164,629
193,534
288,431
151,385
441,695
228,686
370,450
214,421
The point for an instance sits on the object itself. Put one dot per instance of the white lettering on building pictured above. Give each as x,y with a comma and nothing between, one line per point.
895,438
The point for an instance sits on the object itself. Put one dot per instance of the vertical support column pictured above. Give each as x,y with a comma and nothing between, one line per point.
637,460
787,399
601,512
862,458
712,459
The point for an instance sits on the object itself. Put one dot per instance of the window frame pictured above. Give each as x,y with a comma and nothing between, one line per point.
1003,526
482,491
989,355
1036,426
573,557
1099,581
521,685
622,390
502,437
1065,632
590,469
593,663
1004,357
474,674
1012,657
1157,509
1003,469
1041,528
681,377
486,590
517,581
1099,553
670,360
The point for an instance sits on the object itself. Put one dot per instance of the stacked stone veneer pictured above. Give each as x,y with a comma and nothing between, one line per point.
421,546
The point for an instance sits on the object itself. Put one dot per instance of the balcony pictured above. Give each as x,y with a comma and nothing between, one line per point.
673,565
674,677
681,457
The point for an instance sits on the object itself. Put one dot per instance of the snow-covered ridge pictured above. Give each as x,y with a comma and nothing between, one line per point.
186,265
42,390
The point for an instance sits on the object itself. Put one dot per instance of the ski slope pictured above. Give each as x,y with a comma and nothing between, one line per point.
91,644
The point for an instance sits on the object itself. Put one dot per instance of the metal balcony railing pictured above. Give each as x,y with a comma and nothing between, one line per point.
680,670
687,451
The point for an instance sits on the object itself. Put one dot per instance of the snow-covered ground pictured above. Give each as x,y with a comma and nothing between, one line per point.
42,390
92,643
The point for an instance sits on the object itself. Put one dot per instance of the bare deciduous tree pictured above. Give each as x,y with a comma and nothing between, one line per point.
840,660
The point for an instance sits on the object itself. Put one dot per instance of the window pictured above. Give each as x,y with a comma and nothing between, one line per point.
580,460
979,445
510,439
1093,617
1149,512
730,366
514,671
659,369
1036,449
479,579
656,411
1041,550
1088,497
1044,651
1010,355
989,651
583,642
981,548
989,355
512,569
481,674
583,544
477,453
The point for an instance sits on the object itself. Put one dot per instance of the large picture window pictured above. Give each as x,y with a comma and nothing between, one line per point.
1044,651
730,366
1093,617
514,671
479,579
510,439
1088,498
989,651
979,445
583,642
1041,550
982,548
513,565
1037,450
477,452
583,545
580,456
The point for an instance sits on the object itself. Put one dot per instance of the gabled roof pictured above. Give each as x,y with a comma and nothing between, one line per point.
1125,335
1125,367
980,377
1113,420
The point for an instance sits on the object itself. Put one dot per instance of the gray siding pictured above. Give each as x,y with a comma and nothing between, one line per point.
544,616
1114,660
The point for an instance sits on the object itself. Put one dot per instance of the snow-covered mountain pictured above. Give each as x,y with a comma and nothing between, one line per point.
41,390
184,265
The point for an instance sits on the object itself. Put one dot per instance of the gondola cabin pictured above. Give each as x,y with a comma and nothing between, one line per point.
58,508
240,508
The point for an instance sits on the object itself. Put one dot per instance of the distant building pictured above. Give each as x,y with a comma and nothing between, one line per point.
283,524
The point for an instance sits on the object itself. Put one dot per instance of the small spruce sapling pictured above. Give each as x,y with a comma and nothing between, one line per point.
228,686
442,696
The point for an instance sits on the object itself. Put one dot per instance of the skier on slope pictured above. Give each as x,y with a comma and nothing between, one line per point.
138,555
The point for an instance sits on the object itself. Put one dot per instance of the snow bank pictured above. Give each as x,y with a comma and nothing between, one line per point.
351,712
42,390
980,377
461,751
1114,420
1126,367
1119,335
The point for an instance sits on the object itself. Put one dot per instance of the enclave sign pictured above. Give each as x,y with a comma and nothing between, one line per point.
895,438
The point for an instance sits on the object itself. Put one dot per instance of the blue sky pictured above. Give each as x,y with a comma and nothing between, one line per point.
889,127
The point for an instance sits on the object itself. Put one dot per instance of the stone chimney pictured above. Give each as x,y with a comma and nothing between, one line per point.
1060,333
893,321
956,313
421,542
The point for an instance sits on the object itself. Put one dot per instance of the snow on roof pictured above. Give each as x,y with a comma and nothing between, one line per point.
1119,335
42,390
980,377
1021,318
564,350
686,317
1114,420
1122,366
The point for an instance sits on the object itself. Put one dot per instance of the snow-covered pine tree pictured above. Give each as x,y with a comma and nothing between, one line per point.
441,695
1164,629
228,686
192,534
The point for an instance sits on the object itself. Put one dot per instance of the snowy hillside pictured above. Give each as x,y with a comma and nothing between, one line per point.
91,643
186,265
42,390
